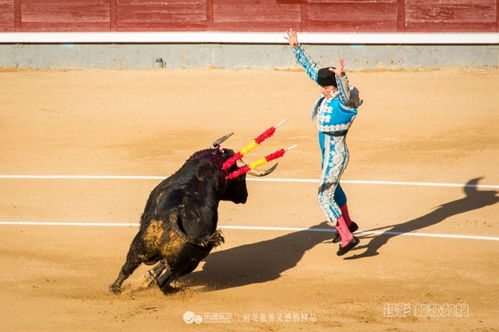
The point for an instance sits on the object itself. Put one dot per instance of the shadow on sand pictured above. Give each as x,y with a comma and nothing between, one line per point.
266,260
473,199
258,262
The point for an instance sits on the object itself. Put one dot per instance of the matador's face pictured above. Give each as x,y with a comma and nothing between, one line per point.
327,91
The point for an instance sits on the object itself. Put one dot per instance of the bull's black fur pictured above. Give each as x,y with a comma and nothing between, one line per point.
179,223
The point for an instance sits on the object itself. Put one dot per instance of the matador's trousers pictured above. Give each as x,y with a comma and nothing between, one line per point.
334,161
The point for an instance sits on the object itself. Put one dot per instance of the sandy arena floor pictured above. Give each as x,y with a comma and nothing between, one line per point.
431,127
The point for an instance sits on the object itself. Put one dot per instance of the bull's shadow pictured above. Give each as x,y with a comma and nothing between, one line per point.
473,199
257,262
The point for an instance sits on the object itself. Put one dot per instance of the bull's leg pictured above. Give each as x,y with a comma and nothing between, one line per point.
153,274
133,260
164,281
156,270
130,265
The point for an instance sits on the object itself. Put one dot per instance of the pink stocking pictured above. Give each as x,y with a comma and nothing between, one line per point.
342,229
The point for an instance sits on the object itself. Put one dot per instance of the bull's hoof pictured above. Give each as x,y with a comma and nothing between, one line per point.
147,280
168,290
115,289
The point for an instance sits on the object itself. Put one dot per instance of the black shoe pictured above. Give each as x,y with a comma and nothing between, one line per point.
352,228
343,250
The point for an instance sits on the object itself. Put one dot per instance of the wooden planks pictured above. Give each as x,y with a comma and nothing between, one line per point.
63,15
158,15
250,15
7,22
451,15
351,15
254,15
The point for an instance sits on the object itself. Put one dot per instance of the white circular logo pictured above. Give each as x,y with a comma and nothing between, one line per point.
190,317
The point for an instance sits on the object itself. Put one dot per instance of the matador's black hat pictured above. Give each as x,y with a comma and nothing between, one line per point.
326,77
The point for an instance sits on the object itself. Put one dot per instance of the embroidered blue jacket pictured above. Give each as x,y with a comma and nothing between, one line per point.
338,112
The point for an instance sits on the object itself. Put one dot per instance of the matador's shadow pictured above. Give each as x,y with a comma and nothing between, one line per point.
473,199
257,262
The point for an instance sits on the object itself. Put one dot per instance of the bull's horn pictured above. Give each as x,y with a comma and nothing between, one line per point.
240,163
220,140
265,172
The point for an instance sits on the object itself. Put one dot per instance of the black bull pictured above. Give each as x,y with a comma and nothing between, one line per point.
178,227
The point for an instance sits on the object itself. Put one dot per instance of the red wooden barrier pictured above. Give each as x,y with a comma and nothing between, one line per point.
253,15
160,15
63,15
250,15
451,15
7,22
352,16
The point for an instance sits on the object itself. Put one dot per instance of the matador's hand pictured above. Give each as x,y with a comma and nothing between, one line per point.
340,70
292,38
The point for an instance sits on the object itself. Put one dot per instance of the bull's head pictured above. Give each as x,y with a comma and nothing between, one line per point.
236,190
